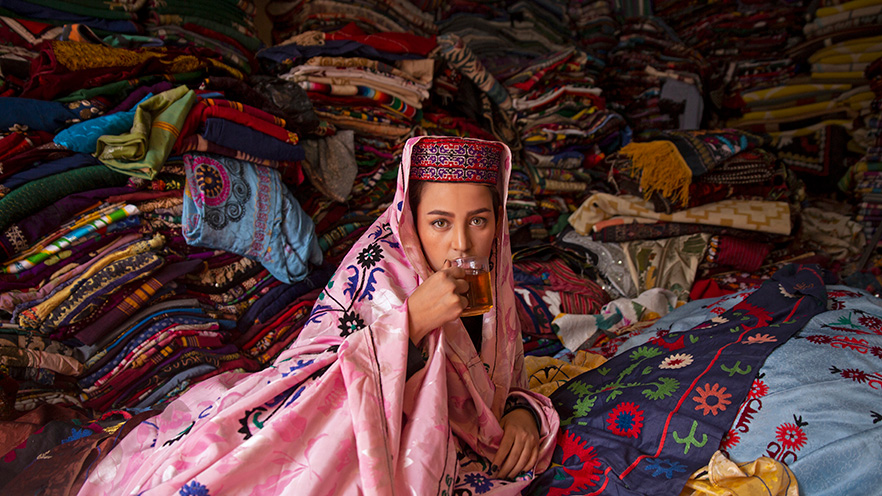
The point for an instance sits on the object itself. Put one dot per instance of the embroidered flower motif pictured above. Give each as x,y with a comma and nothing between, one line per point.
870,321
763,317
834,304
785,293
757,390
350,322
77,434
666,467
718,310
730,439
761,338
574,464
480,483
370,255
712,399
676,361
791,436
626,420
194,488
819,339
876,351
855,375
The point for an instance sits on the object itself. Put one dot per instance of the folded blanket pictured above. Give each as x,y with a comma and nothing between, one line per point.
764,216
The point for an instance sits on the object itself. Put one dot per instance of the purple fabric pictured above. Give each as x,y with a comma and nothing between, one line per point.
140,93
117,315
50,218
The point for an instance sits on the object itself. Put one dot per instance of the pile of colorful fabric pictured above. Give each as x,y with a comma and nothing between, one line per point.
653,79
594,25
863,183
226,28
150,238
745,43
812,117
715,199
368,84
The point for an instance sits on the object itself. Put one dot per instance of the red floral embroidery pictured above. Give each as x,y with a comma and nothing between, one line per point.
763,317
871,321
626,420
730,440
757,390
791,436
575,465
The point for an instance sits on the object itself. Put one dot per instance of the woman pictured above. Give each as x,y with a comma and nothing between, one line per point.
385,391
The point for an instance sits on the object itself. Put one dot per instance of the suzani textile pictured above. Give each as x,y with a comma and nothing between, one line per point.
244,208
652,415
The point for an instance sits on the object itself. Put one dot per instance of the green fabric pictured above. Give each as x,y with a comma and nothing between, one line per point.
36,195
231,56
122,88
213,11
250,42
669,263
95,10
143,151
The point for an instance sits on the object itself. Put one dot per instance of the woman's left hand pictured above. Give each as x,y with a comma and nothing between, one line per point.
519,448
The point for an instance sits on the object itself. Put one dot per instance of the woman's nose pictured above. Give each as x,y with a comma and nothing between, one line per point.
461,241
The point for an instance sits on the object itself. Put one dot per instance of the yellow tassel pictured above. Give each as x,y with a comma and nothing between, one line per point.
661,168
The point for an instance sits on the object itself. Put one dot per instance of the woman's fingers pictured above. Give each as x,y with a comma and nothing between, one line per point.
518,456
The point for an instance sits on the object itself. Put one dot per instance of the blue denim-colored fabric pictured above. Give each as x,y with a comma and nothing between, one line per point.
244,208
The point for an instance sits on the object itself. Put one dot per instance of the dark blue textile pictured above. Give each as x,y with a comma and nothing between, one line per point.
238,137
649,417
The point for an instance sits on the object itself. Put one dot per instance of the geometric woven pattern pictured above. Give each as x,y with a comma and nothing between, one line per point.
754,215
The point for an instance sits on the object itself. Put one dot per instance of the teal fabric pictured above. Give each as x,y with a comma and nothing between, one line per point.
83,137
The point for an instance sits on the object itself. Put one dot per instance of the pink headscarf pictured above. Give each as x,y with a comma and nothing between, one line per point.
370,291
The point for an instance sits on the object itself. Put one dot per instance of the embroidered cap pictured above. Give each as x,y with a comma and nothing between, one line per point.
451,159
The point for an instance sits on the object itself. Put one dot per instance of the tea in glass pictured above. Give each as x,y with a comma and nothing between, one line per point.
480,293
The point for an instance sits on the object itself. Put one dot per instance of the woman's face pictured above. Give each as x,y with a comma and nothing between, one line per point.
455,220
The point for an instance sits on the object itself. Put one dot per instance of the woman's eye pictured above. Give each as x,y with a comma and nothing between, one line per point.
439,223
479,221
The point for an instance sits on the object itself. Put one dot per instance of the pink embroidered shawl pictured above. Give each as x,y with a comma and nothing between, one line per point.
335,414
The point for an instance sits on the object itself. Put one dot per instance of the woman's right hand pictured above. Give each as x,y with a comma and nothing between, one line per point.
437,301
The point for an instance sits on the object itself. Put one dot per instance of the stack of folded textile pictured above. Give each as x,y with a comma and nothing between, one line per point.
102,17
565,129
745,43
813,117
368,87
864,179
291,17
142,219
653,79
225,27
594,25
711,197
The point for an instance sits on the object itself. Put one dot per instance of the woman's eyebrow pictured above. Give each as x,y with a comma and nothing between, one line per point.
478,211
448,214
